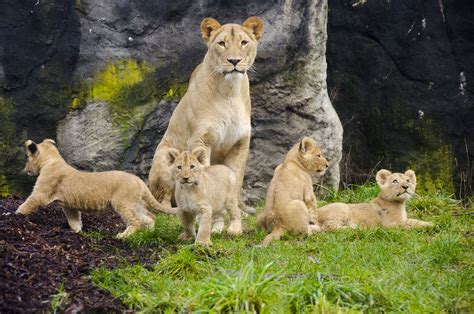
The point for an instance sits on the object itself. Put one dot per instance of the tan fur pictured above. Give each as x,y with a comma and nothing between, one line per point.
290,201
215,111
79,191
386,210
205,193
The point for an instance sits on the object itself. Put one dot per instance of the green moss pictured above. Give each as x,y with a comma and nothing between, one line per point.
132,89
7,143
4,188
434,164
176,91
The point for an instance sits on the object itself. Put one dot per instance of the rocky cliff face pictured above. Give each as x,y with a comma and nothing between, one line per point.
400,77
103,78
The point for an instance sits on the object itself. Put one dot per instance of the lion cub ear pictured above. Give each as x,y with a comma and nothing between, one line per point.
48,140
208,25
306,143
200,154
31,147
255,24
382,176
171,155
411,175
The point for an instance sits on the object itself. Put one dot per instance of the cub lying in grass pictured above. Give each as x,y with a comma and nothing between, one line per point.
386,210
80,191
290,202
205,193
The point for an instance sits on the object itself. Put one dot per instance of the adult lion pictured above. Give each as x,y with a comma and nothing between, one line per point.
215,111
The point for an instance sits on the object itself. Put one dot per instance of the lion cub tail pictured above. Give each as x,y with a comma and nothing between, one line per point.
154,205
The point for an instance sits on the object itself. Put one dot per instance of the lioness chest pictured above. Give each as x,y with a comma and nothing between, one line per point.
231,125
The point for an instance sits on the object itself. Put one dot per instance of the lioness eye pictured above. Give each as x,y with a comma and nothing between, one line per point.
192,167
408,180
395,181
319,155
179,167
221,43
244,43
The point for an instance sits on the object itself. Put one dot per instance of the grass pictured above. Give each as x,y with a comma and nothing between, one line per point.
346,271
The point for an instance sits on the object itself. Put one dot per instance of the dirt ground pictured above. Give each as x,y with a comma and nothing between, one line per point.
39,253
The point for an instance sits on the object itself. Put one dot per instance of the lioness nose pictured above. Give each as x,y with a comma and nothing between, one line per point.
327,166
234,61
405,187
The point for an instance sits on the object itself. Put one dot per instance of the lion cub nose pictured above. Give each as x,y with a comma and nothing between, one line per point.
405,187
234,61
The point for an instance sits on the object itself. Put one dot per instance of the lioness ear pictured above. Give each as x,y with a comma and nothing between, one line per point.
200,154
382,176
305,144
208,25
255,24
171,155
411,175
31,147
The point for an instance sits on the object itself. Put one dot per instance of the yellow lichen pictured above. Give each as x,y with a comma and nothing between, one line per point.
109,83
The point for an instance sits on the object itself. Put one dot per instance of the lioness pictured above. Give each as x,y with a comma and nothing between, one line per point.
386,210
215,111
80,191
290,202
205,192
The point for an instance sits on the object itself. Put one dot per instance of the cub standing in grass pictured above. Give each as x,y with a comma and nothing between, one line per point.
205,193
80,191
386,210
290,202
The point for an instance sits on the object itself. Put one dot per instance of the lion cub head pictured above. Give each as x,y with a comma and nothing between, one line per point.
397,187
232,47
187,167
310,156
38,154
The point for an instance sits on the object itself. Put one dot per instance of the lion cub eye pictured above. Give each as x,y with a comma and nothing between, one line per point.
244,43
221,43
179,167
395,181
318,155
192,167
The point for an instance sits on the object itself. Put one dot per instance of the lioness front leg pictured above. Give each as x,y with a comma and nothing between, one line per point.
414,223
236,160
73,217
205,222
31,204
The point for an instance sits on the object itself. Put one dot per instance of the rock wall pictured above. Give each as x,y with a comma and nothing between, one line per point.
400,77
104,76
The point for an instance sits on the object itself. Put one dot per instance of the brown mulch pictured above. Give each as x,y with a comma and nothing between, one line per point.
39,253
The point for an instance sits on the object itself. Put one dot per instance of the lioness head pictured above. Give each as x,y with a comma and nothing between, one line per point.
38,154
186,167
310,156
232,47
396,186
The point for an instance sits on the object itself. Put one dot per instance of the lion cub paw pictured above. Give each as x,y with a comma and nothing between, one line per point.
235,229
22,211
204,242
185,236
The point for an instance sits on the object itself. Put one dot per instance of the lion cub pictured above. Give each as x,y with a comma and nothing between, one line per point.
80,191
204,193
386,210
290,201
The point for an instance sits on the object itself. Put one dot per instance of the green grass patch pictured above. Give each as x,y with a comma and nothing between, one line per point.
345,271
